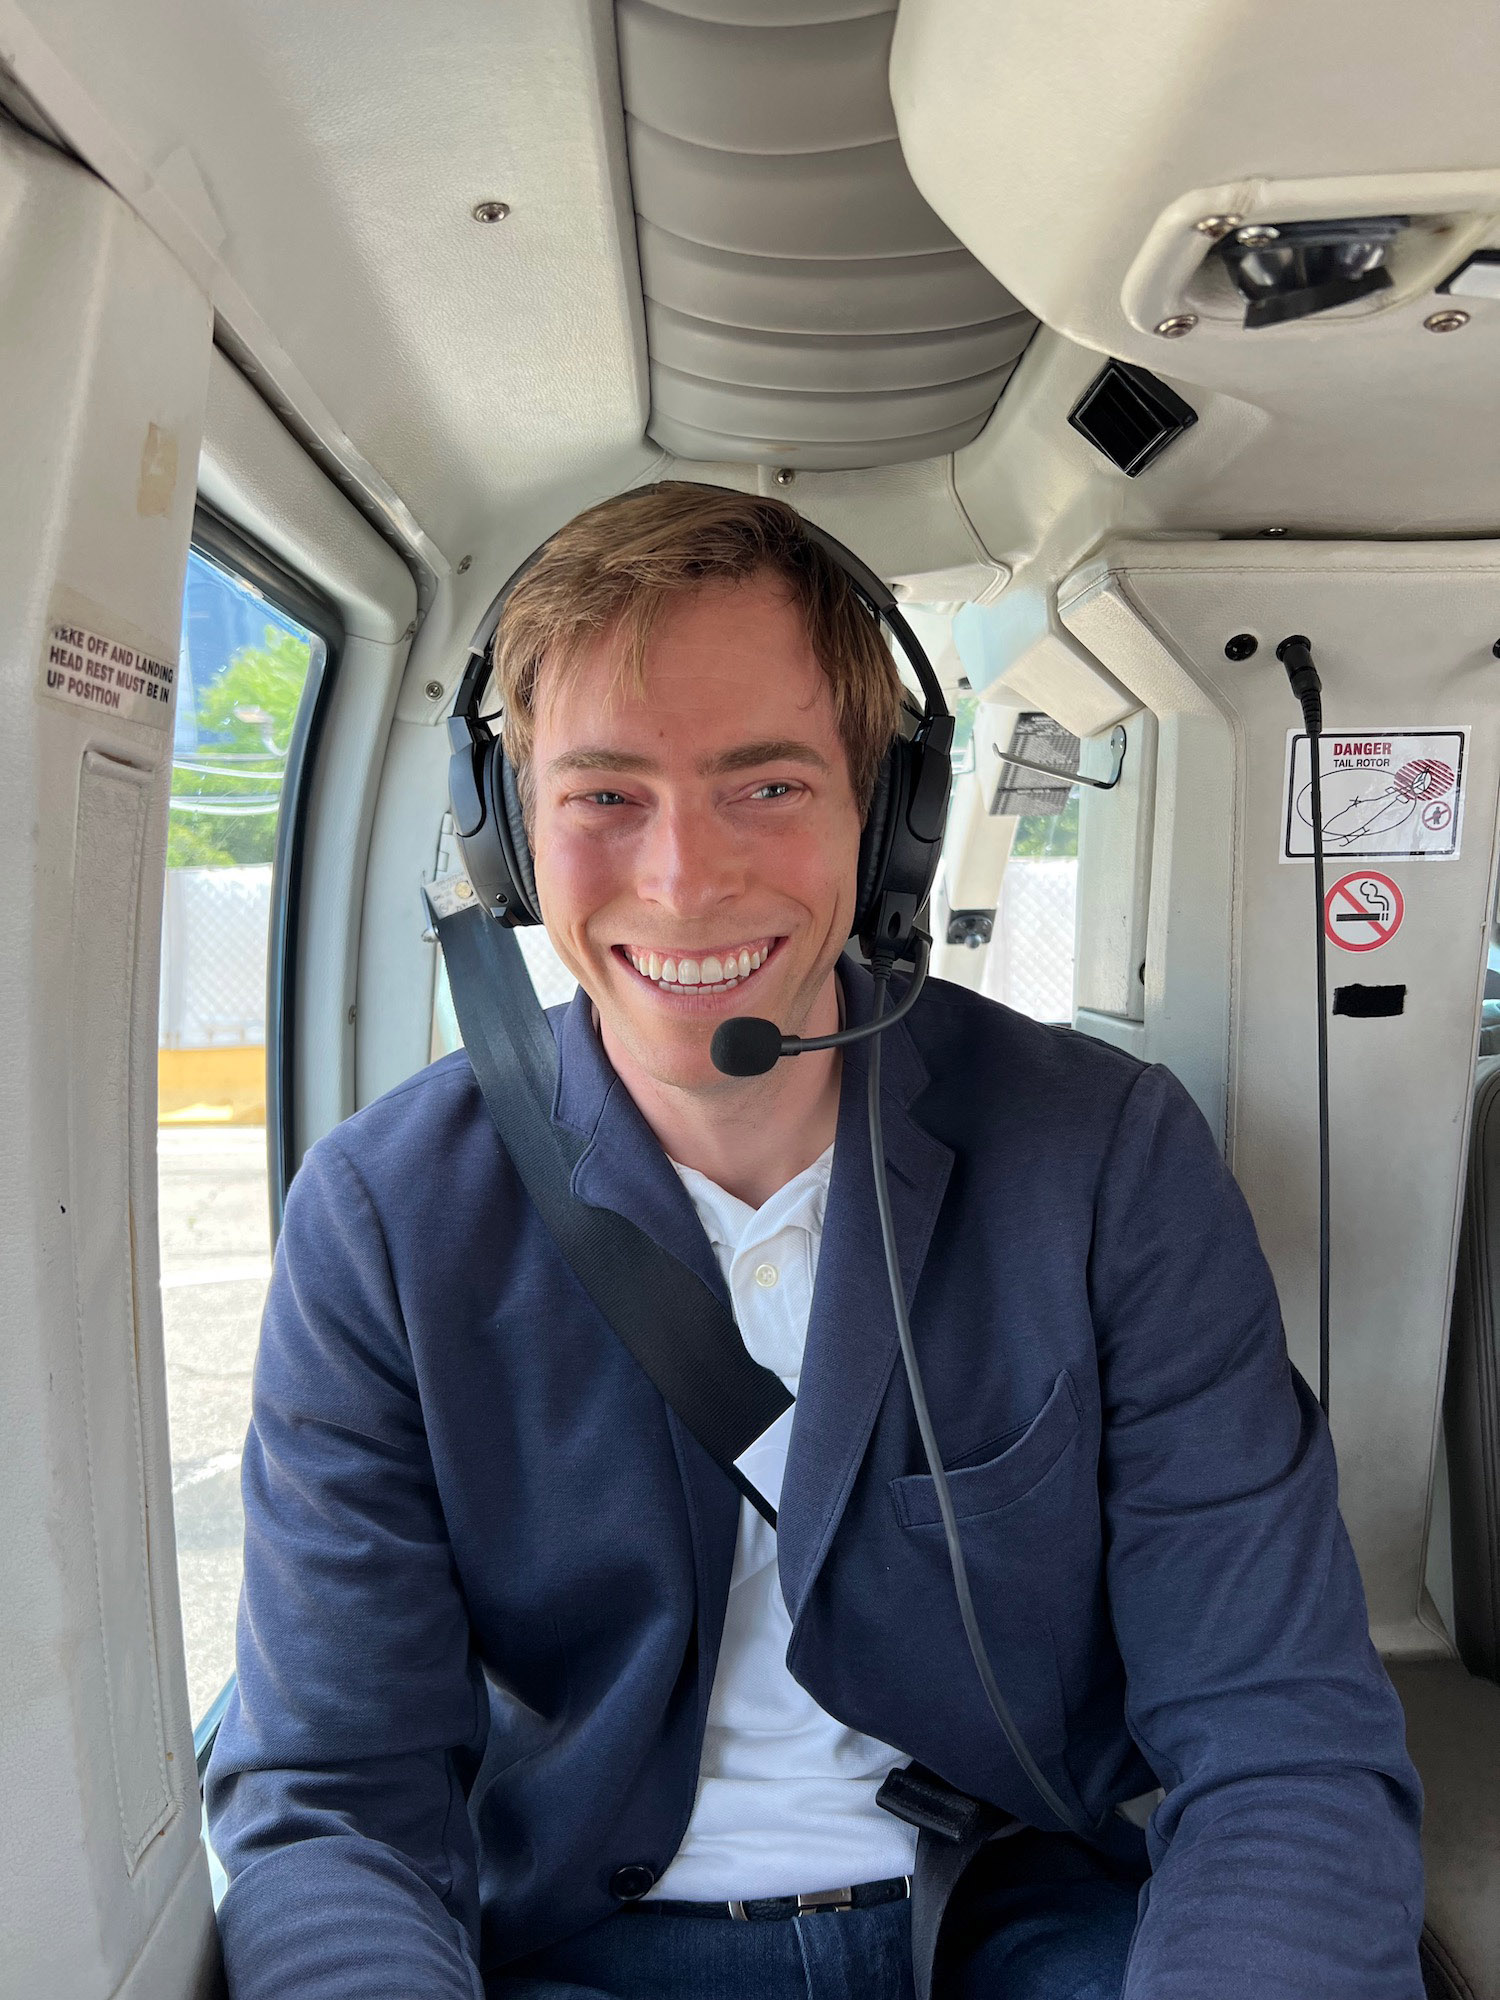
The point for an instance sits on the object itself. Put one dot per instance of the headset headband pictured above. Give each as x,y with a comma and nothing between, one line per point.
903,833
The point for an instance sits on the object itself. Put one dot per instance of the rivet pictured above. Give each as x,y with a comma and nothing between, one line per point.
1255,235
350,1016
1216,226
465,565
463,891
491,211
783,475
1274,531
1446,322
1241,646
434,690
1175,327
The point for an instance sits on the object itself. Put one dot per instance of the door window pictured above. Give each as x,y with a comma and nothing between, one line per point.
249,669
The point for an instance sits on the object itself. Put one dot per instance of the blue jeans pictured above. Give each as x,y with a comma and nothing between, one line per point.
1053,1923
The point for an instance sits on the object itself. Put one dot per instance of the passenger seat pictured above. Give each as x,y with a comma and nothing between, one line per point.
1471,1409
1453,1706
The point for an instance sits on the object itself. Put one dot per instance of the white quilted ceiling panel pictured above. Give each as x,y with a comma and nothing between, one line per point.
804,306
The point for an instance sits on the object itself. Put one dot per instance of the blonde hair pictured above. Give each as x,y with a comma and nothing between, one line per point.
617,566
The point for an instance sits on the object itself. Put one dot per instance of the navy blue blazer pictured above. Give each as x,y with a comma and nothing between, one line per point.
486,1569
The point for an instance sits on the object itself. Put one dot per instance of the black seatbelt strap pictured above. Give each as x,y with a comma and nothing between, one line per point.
671,1322
951,1829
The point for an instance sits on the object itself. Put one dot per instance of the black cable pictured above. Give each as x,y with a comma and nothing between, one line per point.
1295,654
881,966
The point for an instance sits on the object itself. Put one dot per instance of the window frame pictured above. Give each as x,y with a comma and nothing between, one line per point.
224,546
227,548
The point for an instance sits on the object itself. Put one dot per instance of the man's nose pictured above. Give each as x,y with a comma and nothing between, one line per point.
691,861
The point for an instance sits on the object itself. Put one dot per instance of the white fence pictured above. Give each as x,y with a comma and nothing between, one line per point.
1029,965
215,927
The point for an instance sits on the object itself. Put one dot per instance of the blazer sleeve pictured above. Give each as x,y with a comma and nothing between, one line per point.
1285,1853
337,1790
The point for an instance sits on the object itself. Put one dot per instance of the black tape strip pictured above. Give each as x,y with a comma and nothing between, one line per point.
1369,1003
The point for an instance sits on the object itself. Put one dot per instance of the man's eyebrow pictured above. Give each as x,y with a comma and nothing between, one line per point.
748,756
602,760
744,757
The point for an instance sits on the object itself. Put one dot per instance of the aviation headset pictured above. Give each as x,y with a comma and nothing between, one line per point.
903,833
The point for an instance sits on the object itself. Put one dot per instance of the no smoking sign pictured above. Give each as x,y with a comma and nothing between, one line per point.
1362,912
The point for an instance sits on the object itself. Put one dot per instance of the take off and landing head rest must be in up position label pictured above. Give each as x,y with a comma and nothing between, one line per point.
95,660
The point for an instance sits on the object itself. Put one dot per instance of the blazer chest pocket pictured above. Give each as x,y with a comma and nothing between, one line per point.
998,1481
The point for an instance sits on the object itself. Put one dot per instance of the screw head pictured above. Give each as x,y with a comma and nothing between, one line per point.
1255,235
434,690
1273,531
490,211
783,475
1241,646
465,565
1175,327
1448,321
463,891
1216,226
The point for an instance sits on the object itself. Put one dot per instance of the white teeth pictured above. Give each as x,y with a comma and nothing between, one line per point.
712,973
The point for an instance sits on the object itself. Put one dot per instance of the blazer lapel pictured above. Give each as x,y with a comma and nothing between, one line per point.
622,1165
852,1344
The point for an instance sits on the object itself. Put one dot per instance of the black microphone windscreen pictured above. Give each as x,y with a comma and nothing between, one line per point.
745,1046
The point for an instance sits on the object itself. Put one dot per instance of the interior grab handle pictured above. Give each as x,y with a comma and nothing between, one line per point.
1117,743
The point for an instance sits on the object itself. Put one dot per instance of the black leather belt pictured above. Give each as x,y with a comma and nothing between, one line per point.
765,1909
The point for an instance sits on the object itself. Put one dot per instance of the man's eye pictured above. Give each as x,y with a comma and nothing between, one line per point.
604,798
777,788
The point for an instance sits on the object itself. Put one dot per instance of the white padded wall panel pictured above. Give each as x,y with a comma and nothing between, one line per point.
104,347
1402,634
804,305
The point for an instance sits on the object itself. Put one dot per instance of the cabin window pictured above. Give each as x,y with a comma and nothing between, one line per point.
252,662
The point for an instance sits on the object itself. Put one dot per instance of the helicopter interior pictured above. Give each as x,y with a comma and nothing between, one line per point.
1124,343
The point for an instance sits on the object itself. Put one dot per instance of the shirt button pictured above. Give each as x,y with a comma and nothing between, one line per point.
766,1276
631,1881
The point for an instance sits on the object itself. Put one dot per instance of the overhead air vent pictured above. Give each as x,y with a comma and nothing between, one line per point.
1130,416
804,306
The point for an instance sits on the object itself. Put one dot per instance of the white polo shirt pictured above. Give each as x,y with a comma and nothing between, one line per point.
786,1795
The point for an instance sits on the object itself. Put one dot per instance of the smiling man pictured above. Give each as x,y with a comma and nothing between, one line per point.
531,1704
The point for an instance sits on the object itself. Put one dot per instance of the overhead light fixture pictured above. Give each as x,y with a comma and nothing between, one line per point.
1291,270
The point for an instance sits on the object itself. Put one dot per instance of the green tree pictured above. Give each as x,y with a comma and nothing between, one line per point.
252,707
1048,836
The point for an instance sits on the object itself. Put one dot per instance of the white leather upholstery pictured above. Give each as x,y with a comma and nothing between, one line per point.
804,306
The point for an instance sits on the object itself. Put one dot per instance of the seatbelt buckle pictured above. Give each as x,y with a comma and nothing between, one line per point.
924,1800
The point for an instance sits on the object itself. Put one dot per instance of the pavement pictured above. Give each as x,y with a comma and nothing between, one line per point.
215,1263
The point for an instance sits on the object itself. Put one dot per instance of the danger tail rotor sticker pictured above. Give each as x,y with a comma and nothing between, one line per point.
1393,794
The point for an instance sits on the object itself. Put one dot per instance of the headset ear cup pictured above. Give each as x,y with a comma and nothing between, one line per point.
517,843
875,839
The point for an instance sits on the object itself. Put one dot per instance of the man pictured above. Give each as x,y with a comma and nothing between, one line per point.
528,1699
